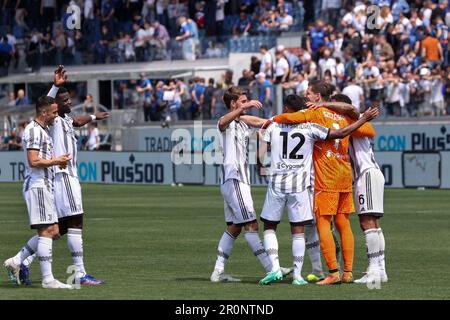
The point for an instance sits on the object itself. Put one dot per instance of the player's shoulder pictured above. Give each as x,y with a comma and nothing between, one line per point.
331,115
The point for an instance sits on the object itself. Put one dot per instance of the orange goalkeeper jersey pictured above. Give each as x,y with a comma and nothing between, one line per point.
333,171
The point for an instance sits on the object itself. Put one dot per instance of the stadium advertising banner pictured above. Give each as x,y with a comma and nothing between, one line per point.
390,137
102,167
400,169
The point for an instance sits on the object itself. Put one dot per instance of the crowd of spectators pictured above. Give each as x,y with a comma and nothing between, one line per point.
391,52
133,30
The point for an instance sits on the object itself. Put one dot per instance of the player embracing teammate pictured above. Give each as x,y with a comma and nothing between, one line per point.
293,136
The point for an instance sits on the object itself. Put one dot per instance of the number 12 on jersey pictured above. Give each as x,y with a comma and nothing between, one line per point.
293,137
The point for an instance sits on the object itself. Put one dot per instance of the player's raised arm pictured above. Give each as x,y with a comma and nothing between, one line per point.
340,107
237,112
369,115
83,120
253,121
59,79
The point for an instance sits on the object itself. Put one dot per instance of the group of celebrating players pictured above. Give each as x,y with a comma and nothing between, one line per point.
52,189
319,147
314,147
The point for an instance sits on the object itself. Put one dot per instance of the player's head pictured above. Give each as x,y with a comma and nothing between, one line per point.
235,97
46,109
294,103
318,91
63,100
339,97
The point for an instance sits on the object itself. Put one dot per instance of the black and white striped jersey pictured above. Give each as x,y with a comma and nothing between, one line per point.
291,154
65,142
234,146
36,137
362,156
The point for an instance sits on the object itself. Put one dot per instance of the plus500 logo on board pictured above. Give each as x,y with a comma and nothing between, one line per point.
117,172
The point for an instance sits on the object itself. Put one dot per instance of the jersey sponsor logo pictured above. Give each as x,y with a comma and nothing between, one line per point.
331,154
333,116
285,166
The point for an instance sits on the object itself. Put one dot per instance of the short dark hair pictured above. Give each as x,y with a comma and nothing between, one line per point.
295,102
339,97
232,94
323,88
43,102
264,47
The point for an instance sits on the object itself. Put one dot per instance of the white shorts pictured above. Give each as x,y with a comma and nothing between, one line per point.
370,192
299,205
41,207
67,196
238,202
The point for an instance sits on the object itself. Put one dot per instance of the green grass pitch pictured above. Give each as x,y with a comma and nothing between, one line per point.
157,242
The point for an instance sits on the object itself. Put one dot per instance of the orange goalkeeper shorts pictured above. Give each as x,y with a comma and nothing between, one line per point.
332,203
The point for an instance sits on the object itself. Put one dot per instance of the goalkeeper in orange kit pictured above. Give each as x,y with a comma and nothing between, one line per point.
333,180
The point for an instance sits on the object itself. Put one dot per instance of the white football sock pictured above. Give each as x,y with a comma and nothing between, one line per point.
298,252
372,248
29,249
224,249
44,254
28,261
75,244
381,249
271,246
313,248
257,247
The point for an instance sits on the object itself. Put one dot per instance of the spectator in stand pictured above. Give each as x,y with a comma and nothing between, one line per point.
218,108
14,141
266,62
330,9
207,100
93,142
316,38
220,18
21,100
242,26
161,39
145,90
246,79
425,86
48,14
432,50
186,100
186,37
255,65
11,99
355,93
6,52
198,97
281,68
285,21
392,89
437,97
265,94
89,106
107,14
